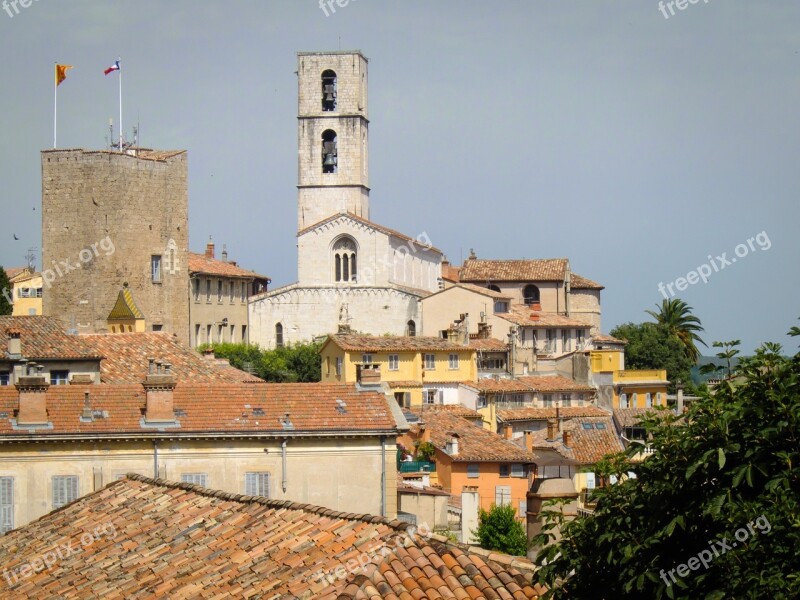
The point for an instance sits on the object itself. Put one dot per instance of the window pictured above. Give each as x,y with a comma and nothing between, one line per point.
635,400
231,293
65,490
338,365
278,335
330,157
550,344
648,400
530,294
367,359
197,334
155,269
580,338
547,400
518,471
196,289
502,495
493,287
24,293
590,482
219,290
208,334
394,362
481,402
430,362
328,90
411,329
599,425
244,291
256,484
344,260
200,479
566,400
5,378
523,508
244,334
504,471
208,290
658,399
6,504
565,340
473,471
59,377
623,400
587,426
156,327
500,306
431,396
453,362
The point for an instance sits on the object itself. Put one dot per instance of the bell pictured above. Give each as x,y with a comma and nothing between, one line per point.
330,160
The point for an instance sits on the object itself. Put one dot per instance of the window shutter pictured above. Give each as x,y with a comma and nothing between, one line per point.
250,484
523,508
6,504
502,495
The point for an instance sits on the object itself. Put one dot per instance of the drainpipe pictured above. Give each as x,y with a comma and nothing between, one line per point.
383,476
284,478
155,459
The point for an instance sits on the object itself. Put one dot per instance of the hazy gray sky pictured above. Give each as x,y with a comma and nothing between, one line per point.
634,144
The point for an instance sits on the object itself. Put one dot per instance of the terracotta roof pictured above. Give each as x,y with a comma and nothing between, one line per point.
607,339
542,414
630,417
489,345
200,263
374,343
162,539
371,224
478,289
589,445
14,271
492,385
554,383
127,359
453,409
546,269
23,275
404,384
426,490
125,307
44,338
450,272
523,315
475,443
578,282
222,408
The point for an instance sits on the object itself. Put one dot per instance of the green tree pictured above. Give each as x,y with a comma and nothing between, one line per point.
498,529
722,490
296,363
5,293
729,352
650,346
677,317
426,451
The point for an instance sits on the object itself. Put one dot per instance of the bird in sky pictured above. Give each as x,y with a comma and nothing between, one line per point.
15,237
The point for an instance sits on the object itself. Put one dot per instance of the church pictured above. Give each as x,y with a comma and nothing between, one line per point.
352,272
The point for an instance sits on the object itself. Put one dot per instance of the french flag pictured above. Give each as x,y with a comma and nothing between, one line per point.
112,68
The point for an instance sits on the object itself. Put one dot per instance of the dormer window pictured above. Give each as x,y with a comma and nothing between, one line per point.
328,91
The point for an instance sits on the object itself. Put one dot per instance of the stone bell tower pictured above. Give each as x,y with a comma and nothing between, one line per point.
332,136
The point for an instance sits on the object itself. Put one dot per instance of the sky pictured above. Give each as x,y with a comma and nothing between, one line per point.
640,144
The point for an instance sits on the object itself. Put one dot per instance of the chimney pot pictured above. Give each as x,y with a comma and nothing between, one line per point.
32,400
224,253
210,249
552,427
508,431
14,343
567,439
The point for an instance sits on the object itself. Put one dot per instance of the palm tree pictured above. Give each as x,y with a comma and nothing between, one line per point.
677,317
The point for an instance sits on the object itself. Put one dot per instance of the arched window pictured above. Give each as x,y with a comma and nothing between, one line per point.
530,294
411,328
278,335
328,90
330,159
344,259
493,287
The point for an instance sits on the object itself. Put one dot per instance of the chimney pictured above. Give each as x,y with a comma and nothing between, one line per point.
452,445
567,439
14,343
508,431
210,249
224,253
528,437
470,507
552,428
32,399
87,407
484,330
208,354
159,387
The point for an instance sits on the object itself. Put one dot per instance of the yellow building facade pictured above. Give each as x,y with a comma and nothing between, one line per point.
640,388
419,370
27,289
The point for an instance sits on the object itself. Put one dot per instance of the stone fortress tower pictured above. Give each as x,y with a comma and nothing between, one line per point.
352,272
111,218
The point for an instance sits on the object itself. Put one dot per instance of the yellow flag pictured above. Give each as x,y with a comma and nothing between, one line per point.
61,73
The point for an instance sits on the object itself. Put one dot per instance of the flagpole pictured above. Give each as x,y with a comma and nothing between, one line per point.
55,104
120,105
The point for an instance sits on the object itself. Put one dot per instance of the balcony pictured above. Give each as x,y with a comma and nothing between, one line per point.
416,466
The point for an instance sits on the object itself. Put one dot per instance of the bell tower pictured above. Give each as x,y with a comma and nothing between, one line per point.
332,136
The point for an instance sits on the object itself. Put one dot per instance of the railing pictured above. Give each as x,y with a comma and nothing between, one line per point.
416,466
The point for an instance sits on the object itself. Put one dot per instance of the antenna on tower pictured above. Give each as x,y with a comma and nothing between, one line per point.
110,133
31,258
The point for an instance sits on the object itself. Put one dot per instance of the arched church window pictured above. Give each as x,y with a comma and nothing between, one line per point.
330,158
278,335
411,328
328,90
531,294
493,287
344,258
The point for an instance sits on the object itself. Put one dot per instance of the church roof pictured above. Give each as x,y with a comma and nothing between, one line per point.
125,308
540,269
371,225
